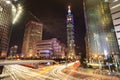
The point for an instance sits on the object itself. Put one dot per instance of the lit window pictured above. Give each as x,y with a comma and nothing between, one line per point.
1,9
118,38
118,31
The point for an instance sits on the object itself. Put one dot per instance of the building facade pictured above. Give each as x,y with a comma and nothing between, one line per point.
49,48
5,26
100,37
33,33
70,34
13,50
115,13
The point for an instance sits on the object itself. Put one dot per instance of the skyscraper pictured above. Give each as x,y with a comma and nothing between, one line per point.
101,39
33,33
5,26
70,34
115,13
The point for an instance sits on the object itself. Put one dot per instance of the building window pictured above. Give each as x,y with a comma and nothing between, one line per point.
118,38
118,31
1,9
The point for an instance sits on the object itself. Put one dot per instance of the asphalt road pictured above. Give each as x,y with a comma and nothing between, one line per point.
52,72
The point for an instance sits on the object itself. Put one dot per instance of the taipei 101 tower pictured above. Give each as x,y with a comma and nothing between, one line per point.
70,34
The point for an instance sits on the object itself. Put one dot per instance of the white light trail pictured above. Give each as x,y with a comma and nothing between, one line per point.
18,72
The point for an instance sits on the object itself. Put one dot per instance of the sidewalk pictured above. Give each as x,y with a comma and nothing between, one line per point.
88,74
99,72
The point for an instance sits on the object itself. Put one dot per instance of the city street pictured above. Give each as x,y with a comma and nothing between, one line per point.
18,72
57,73
52,72
43,39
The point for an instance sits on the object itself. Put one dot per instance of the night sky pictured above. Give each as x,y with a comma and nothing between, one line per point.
52,13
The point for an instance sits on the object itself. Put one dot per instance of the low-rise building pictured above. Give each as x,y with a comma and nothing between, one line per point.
49,48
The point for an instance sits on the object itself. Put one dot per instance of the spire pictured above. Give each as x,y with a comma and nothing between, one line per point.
69,9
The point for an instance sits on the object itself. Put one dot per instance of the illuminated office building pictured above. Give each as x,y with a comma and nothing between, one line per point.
13,50
115,12
5,26
49,48
101,39
9,13
70,34
33,33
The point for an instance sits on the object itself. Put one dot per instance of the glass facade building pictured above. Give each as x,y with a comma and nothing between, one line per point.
100,36
115,13
5,26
